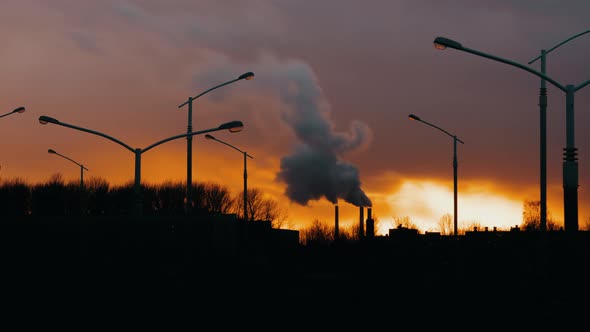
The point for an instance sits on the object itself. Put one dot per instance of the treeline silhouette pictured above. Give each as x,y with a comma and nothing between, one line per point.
86,246
98,197
100,255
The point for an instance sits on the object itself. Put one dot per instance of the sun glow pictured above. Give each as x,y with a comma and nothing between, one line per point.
425,202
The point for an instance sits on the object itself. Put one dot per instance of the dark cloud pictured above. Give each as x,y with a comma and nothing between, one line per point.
315,168
312,174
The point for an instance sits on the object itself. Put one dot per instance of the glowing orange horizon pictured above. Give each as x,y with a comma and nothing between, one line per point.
423,201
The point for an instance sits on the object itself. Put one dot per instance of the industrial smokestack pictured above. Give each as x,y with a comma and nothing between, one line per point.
361,223
370,224
336,232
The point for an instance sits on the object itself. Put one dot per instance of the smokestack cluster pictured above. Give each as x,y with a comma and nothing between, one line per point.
366,227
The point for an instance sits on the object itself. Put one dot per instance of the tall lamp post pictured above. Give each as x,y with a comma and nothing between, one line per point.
245,172
455,140
232,126
543,129
570,163
189,138
16,110
82,168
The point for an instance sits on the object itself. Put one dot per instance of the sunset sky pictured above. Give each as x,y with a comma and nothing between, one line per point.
326,116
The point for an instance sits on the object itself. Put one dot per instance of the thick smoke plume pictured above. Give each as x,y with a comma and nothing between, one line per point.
315,169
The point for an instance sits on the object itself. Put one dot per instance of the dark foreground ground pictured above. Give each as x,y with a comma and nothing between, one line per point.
140,277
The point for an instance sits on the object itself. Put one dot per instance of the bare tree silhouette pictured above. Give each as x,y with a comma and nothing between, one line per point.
531,217
169,198
472,225
48,197
319,233
98,195
405,222
261,207
217,198
445,224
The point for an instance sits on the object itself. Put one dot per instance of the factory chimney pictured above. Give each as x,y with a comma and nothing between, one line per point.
336,231
370,224
361,223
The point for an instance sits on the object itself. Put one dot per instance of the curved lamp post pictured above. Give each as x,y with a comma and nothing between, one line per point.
570,159
16,110
245,172
455,140
543,130
189,138
82,168
232,126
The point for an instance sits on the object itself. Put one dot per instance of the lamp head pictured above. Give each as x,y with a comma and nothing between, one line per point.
441,43
414,117
233,126
209,137
46,119
247,76
19,110
51,151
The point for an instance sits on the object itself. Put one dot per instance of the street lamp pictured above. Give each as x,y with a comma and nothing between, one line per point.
543,130
82,168
570,159
232,126
16,110
189,139
245,173
455,140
